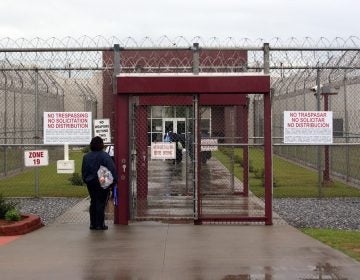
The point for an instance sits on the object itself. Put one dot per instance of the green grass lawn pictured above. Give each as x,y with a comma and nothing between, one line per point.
51,184
344,159
290,180
345,241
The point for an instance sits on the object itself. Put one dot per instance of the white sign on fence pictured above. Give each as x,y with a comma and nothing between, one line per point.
102,129
163,150
67,127
308,127
36,158
211,142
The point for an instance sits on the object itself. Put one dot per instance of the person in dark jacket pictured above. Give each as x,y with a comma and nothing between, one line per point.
98,196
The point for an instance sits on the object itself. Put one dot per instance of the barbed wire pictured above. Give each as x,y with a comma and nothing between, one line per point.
292,61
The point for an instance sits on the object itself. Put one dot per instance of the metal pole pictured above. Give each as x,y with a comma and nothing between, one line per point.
114,110
36,128
268,143
5,125
326,173
5,109
187,147
197,160
268,159
346,129
245,138
116,66
197,142
266,58
318,89
196,59
232,159
132,159
21,108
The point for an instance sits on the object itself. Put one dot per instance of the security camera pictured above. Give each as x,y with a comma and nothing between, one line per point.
314,88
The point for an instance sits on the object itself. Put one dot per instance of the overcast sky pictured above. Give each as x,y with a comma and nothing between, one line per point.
189,18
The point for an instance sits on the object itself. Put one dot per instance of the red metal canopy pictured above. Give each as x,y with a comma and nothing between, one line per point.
190,83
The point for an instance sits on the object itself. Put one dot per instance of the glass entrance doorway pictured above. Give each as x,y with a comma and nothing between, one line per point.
176,125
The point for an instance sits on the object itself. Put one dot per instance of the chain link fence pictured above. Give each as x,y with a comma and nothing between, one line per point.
74,75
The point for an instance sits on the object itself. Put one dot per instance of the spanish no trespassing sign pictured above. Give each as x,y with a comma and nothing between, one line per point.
308,127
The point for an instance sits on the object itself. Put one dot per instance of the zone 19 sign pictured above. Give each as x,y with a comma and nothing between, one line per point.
36,158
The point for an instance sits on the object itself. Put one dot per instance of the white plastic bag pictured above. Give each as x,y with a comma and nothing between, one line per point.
179,145
105,177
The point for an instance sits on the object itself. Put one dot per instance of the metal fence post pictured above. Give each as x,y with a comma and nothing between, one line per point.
196,59
346,112
232,158
197,141
197,160
268,145
5,108
36,136
5,124
266,58
116,70
21,108
318,108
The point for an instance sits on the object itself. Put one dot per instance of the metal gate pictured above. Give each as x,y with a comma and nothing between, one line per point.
226,161
161,189
207,181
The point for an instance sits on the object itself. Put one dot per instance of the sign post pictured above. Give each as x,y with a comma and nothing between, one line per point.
36,158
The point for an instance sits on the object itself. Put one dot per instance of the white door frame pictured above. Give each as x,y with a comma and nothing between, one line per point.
174,121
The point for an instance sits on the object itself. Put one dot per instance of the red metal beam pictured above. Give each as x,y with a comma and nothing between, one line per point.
212,84
121,212
268,159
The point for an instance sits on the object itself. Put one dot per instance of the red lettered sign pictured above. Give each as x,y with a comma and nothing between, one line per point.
36,158
308,127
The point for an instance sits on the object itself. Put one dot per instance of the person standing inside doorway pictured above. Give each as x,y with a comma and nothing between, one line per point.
168,137
98,195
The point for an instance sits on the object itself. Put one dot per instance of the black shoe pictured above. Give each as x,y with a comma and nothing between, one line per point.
104,227
92,227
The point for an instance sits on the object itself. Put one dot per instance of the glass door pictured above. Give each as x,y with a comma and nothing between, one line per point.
176,125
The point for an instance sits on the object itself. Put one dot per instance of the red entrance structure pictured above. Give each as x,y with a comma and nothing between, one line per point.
208,90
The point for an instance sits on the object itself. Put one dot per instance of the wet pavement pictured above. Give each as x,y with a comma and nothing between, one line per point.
153,250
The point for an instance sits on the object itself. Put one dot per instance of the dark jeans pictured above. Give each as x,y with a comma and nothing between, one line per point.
98,200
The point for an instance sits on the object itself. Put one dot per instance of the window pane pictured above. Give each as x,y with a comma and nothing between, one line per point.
157,137
168,112
181,112
156,125
156,111
205,128
205,112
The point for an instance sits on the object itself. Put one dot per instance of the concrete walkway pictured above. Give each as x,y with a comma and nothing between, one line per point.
150,250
